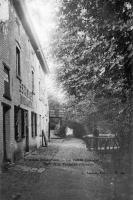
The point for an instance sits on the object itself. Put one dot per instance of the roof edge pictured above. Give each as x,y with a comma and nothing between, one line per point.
22,12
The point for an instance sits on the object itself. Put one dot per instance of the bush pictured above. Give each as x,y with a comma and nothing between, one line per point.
61,131
78,129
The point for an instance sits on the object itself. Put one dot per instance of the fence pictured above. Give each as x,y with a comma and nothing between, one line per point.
102,143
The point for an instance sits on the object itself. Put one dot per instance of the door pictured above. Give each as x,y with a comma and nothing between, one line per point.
6,131
26,127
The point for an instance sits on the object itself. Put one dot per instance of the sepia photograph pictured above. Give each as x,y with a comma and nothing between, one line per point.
66,106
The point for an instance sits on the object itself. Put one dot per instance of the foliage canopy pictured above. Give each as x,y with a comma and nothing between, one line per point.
93,45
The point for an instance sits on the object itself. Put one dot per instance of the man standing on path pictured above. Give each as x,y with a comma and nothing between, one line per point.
44,139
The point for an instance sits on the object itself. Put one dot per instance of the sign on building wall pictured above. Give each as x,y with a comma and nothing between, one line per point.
26,97
4,11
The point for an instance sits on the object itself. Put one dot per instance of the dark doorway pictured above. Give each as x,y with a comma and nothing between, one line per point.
6,131
26,130
21,126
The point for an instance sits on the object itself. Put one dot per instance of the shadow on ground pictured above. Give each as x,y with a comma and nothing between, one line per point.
67,170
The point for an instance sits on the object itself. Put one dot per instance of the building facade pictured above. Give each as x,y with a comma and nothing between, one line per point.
24,109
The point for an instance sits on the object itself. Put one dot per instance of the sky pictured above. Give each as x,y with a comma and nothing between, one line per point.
43,16
4,13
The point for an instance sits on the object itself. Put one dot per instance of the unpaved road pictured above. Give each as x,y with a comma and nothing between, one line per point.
65,170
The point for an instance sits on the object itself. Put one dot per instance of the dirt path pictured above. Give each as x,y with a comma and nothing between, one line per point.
65,170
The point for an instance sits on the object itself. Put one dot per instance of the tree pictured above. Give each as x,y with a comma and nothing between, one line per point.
93,45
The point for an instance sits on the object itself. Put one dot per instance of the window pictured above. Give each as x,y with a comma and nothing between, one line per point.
33,124
18,67
6,83
33,86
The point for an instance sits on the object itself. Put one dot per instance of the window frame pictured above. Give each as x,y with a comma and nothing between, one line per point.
33,81
18,61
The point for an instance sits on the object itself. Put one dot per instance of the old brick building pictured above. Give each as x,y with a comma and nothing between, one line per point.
23,98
